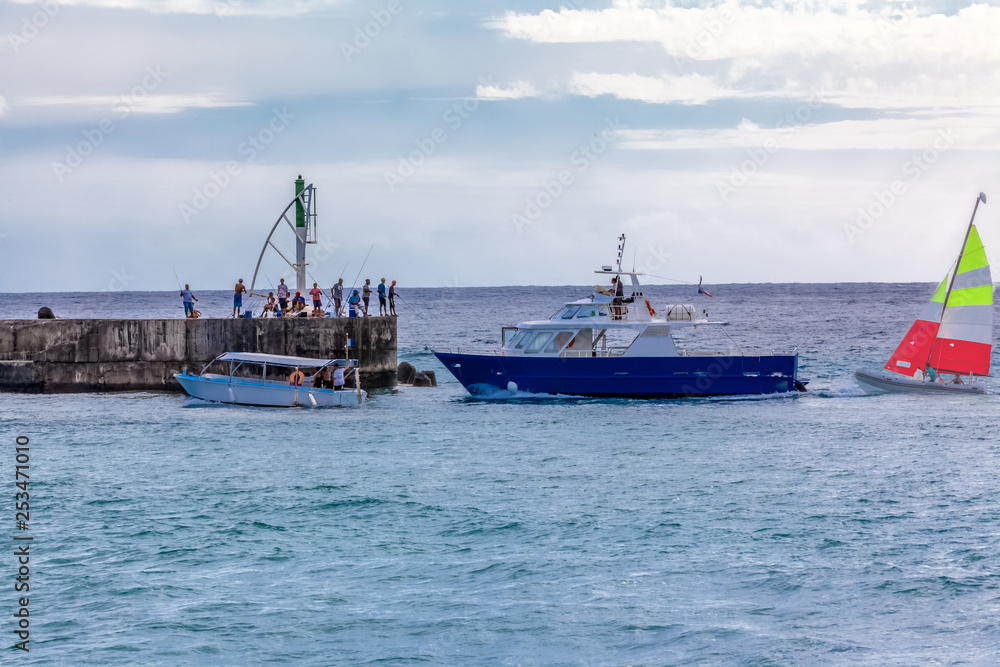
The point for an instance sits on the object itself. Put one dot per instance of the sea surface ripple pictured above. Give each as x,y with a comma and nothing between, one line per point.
828,527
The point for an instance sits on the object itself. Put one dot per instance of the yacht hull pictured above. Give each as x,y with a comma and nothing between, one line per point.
887,382
271,394
628,377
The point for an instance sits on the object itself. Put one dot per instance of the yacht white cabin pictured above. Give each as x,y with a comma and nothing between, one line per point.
607,325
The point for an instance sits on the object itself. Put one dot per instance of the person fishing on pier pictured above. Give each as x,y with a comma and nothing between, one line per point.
382,308
352,304
189,300
283,295
317,298
366,294
238,298
338,295
392,299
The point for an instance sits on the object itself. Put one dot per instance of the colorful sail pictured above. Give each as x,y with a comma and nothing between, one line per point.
915,348
965,339
953,337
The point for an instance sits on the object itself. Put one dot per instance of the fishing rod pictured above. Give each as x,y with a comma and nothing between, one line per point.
359,275
412,309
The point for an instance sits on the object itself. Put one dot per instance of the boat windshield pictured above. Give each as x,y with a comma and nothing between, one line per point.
569,312
591,311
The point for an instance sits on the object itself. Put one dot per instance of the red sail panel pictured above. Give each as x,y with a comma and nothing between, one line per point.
913,352
961,356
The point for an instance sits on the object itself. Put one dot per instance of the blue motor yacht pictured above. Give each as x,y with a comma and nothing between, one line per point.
616,343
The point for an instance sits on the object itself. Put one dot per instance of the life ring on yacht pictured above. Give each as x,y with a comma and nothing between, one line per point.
649,307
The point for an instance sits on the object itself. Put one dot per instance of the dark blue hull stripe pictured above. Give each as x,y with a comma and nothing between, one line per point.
624,376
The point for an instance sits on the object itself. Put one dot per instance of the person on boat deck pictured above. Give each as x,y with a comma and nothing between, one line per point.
238,298
382,308
189,300
317,381
957,380
297,378
338,377
930,373
619,291
392,299
352,304
317,296
366,294
338,295
327,378
283,295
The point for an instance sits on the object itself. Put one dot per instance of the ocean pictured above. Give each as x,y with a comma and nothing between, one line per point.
826,527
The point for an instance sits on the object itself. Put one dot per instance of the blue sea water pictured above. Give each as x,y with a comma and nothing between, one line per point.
828,527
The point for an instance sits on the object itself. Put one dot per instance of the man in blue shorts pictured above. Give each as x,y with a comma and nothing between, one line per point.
189,300
238,298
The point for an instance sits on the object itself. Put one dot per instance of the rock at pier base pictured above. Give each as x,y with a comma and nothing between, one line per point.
405,373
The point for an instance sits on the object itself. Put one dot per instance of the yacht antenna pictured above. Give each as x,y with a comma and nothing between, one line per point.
621,250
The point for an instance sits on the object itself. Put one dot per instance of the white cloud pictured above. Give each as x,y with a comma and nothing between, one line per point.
954,132
514,91
145,104
884,58
217,7
691,89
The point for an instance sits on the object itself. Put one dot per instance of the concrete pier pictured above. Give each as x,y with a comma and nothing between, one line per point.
53,356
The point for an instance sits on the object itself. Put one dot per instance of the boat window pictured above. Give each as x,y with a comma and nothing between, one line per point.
508,334
522,339
559,341
602,311
587,311
539,342
570,312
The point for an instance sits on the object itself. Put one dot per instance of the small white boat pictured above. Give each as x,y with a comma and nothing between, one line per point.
948,348
250,378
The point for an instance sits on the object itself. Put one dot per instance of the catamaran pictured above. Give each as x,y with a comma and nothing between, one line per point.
947,349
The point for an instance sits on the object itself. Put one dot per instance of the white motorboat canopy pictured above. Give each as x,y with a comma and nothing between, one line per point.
281,360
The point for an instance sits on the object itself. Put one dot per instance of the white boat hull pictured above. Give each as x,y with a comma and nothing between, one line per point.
884,382
220,389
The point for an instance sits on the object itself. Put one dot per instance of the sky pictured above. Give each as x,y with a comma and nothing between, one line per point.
494,142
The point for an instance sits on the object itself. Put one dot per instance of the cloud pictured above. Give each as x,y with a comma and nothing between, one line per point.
144,104
3,106
514,91
217,7
951,132
691,89
876,58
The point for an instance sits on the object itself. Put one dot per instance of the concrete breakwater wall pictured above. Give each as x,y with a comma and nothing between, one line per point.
53,356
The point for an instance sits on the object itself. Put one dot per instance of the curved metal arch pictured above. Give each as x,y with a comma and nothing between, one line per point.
284,216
